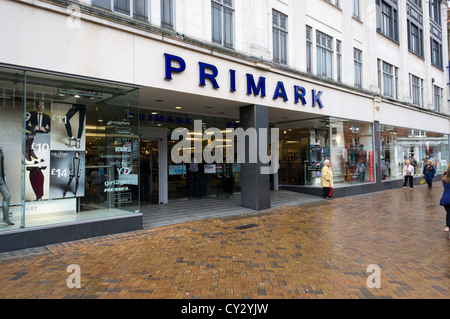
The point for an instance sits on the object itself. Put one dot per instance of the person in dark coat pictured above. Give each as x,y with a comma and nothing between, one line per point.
428,173
445,200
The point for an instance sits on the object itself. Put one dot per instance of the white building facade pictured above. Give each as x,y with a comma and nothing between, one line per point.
362,83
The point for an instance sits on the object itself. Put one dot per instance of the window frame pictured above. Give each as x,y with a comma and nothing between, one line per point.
387,19
132,8
278,33
224,9
168,24
325,54
358,69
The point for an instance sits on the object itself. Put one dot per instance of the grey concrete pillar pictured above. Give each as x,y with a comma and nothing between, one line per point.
255,187
377,153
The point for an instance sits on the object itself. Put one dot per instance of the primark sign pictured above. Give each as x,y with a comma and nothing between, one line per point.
252,145
209,72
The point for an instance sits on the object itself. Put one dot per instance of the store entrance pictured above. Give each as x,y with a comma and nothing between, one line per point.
150,171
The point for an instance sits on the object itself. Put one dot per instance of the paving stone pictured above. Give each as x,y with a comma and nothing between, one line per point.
309,251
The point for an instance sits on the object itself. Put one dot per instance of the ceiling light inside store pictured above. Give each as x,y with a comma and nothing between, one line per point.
178,107
78,94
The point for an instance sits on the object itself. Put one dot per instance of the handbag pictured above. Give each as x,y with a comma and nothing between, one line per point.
422,181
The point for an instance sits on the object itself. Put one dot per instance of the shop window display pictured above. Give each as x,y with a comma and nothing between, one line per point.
417,146
304,145
77,140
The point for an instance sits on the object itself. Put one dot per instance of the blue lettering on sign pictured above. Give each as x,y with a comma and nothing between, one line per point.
170,68
280,92
210,72
252,88
300,93
211,77
316,98
233,80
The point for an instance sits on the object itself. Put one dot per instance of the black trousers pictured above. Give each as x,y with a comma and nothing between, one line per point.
447,209
410,178
82,114
327,192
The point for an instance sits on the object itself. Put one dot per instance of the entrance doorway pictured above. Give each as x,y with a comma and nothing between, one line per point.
150,171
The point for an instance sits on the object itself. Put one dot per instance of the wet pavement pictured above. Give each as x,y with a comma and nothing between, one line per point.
321,250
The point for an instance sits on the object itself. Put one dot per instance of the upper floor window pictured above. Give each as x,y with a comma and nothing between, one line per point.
167,14
137,9
222,16
279,32
387,79
339,60
387,18
416,90
357,9
436,53
435,11
336,2
415,27
309,48
324,48
437,98
357,58
417,3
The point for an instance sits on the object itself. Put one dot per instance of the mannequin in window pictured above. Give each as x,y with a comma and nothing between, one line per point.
74,172
4,191
81,110
362,163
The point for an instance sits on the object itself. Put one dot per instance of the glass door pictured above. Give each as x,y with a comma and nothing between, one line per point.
154,172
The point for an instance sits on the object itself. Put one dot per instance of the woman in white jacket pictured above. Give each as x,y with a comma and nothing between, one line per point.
408,173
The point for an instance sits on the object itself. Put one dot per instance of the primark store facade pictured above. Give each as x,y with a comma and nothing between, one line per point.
91,116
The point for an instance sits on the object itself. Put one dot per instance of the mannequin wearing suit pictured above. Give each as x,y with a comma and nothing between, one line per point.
75,172
38,122
4,191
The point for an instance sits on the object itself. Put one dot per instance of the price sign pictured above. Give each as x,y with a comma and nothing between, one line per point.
59,172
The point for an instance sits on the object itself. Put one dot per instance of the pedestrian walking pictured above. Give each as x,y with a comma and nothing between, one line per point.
428,173
408,174
327,180
445,200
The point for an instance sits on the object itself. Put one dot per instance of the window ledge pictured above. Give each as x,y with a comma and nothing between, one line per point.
388,37
357,19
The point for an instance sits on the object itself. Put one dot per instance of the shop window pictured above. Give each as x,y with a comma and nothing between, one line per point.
78,147
304,145
414,145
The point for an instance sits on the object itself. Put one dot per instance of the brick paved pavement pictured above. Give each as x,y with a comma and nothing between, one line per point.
318,250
